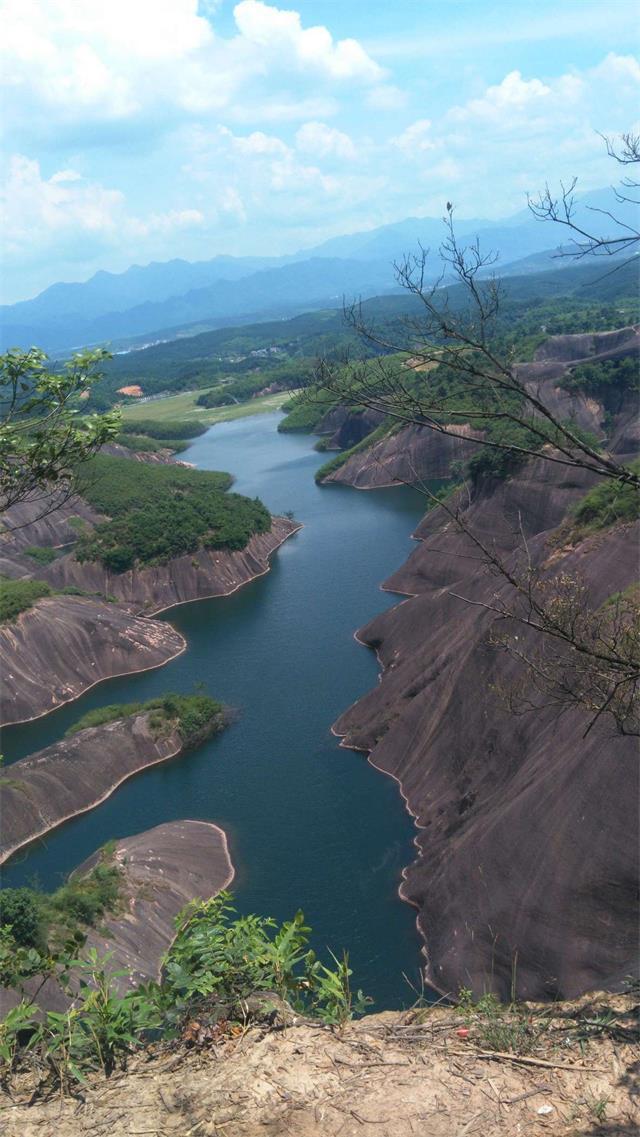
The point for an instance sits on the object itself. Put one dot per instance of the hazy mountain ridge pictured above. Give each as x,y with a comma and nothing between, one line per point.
148,300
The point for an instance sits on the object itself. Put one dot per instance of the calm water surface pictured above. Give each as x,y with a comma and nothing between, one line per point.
310,825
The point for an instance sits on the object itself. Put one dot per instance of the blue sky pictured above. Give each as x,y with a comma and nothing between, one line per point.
140,130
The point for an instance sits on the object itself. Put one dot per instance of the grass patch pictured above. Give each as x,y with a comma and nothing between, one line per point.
190,714
17,596
181,407
46,921
162,511
142,444
167,428
42,554
305,411
606,504
506,1029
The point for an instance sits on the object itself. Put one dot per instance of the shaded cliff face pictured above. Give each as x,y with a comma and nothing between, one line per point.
162,870
195,576
74,775
416,454
526,870
66,644
411,455
346,427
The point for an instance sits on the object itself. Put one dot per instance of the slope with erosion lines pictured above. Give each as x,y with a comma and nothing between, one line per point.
526,867
413,453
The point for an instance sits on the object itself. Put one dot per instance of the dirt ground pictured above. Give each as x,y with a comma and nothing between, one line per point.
415,1074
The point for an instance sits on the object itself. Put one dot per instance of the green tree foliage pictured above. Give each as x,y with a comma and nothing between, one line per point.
162,511
170,428
607,504
17,596
43,436
216,961
611,380
190,714
20,911
43,554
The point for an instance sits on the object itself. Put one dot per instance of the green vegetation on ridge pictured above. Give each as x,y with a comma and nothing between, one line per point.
162,511
189,714
17,596
44,922
606,504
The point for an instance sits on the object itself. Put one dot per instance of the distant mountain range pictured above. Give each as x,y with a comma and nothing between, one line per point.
179,297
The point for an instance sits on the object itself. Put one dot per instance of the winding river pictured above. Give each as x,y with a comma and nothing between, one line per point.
310,825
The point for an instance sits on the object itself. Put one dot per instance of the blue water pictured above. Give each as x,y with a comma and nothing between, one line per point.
311,825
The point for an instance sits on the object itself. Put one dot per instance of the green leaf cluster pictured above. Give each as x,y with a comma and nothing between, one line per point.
17,596
217,960
190,714
607,504
43,434
162,511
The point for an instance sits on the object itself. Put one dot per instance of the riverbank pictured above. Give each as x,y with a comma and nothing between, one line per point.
308,823
185,408
550,795
80,772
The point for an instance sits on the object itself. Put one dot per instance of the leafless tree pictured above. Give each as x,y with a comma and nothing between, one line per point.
579,656
560,208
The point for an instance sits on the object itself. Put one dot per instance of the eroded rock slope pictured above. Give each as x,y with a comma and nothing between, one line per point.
64,645
526,870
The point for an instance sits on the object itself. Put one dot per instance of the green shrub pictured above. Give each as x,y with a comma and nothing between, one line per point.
168,428
41,553
192,714
83,900
162,511
17,596
608,380
19,909
139,443
216,960
607,504
306,410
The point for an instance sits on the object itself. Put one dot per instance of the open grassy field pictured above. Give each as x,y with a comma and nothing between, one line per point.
183,407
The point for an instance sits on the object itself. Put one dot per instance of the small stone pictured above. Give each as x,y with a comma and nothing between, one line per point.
545,1109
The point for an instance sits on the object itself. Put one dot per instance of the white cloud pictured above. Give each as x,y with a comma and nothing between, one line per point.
513,94
416,138
37,210
280,32
160,61
255,143
324,141
41,215
386,97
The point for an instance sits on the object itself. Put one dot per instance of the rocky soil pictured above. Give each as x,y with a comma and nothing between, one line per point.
388,1075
